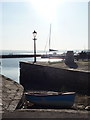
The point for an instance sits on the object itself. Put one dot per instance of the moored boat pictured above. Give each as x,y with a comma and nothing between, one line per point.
63,100
49,55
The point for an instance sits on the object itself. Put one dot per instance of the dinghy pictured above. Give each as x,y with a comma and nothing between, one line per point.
63,100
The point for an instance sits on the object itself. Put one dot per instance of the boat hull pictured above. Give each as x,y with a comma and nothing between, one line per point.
62,100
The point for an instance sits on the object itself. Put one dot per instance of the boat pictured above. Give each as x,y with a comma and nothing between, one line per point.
57,99
50,55
53,55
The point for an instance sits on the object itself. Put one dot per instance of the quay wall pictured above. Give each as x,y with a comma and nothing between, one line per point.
11,94
41,77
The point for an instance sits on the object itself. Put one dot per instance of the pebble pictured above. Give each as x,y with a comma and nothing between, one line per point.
87,108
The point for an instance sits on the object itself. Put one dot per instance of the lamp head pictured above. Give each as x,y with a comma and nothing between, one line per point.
34,33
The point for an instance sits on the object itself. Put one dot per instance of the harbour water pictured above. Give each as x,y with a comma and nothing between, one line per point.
10,66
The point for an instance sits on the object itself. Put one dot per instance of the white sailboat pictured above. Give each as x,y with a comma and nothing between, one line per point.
48,55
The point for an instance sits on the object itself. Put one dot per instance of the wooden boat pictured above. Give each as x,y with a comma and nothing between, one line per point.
64,100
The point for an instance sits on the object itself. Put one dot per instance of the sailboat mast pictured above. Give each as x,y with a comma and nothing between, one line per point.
50,37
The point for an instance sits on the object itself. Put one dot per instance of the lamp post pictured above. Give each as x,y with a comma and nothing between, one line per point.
34,35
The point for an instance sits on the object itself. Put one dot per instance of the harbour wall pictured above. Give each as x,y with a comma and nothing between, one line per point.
45,77
11,94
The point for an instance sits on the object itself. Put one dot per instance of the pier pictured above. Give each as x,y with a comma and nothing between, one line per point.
19,56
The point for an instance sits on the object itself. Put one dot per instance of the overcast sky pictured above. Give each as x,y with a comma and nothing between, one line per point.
69,24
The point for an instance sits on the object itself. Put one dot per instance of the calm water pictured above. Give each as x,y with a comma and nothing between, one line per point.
10,66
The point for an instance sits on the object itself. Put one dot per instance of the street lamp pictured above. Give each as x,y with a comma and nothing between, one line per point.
34,35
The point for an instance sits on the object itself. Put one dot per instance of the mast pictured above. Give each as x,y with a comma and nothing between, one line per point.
50,37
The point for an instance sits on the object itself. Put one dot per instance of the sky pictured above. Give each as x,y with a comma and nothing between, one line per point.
68,19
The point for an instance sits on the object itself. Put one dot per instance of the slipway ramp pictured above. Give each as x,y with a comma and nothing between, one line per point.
10,94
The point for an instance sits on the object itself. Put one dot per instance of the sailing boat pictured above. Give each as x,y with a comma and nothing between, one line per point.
50,50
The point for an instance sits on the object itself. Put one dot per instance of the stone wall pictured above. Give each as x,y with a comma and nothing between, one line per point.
10,94
41,77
